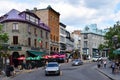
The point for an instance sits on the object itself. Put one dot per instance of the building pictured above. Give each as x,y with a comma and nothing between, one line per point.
76,34
51,18
91,38
62,37
69,42
26,33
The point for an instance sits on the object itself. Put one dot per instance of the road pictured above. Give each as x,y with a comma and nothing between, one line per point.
84,72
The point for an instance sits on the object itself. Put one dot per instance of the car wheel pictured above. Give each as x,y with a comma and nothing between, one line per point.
58,74
46,74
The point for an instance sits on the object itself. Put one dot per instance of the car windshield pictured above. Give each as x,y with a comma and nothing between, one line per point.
52,65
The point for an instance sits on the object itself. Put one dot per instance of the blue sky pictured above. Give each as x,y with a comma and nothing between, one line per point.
76,14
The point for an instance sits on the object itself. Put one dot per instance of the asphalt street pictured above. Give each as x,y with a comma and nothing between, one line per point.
86,71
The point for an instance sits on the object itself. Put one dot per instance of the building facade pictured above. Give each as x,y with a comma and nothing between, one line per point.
76,34
51,18
62,37
91,38
69,42
26,32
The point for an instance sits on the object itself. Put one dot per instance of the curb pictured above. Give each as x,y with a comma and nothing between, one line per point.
104,74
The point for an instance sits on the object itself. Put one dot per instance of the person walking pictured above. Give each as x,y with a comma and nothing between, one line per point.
113,67
104,63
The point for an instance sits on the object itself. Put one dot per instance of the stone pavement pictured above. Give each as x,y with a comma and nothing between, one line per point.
108,72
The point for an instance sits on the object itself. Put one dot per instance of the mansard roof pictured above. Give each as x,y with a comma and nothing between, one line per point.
15,15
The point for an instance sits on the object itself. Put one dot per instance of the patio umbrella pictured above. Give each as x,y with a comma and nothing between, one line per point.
29,58
21,58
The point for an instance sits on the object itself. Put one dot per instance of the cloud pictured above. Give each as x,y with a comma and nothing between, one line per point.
73,13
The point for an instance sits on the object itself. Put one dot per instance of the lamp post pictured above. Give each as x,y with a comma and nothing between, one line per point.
115,40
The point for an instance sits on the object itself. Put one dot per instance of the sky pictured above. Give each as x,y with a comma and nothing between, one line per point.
75,14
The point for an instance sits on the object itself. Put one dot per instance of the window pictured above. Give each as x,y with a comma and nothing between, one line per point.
85,44
36,21
35,31
56,38
46,45
29,41
46,35
15,26
85,36
27,17
35,42
32,19
51,36
15,39
62,39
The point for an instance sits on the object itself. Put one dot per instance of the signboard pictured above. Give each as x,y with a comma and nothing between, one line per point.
15,48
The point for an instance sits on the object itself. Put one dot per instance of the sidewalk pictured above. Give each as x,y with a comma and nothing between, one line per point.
108,72
17,72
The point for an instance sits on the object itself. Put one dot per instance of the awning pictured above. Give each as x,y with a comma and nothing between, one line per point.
117,51
33,58
36,53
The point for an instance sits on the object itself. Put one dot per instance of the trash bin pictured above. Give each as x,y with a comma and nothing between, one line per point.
7,70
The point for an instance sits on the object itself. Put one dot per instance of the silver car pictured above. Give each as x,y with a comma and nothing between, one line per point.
52,68
77,62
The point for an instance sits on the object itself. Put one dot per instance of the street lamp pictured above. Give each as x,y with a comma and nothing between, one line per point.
115,40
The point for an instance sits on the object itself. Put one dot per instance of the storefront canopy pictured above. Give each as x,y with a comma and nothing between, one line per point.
36,53
33,58
117,51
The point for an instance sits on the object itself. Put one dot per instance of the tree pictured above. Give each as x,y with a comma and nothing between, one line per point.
110,42
3,39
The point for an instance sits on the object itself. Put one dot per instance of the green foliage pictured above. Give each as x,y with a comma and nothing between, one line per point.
115,30
101,47
3,38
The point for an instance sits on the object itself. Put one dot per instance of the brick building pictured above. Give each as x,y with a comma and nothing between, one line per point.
51,18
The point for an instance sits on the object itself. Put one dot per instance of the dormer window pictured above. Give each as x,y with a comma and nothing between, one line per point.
32,18
36,21
27,17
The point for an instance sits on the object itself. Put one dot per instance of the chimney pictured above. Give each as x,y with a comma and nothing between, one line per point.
35,9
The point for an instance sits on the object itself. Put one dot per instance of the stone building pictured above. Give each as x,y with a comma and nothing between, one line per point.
51,18
91,38
26,33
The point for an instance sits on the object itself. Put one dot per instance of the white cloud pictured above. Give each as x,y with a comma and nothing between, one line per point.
75,14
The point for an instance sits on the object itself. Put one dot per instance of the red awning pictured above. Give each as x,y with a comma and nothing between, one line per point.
21,58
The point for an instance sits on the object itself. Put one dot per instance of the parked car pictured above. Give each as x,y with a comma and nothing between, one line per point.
52,68
77,62
96,58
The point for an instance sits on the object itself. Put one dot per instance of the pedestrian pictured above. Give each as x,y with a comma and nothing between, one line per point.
104,63
113,67
98,65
